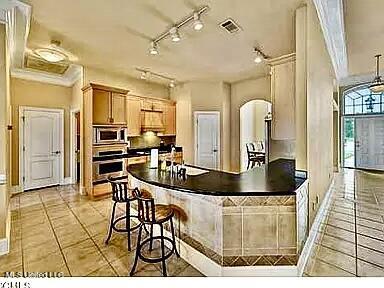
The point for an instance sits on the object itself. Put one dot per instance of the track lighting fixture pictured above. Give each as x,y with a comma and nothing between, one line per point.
153,50
173,33
145,75
197,24
175,36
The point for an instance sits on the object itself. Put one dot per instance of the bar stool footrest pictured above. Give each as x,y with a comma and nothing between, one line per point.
117,220
155,260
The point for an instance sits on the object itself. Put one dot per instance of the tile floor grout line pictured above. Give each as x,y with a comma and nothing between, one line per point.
91,238
364,218
362,225
54,233
331,264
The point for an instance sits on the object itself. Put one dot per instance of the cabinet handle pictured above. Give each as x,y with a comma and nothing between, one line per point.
111,120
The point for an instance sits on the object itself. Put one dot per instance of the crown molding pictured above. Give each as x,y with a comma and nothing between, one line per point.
282,59
66,80
331,17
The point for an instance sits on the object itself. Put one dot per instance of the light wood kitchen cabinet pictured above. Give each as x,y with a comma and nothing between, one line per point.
134,116
283,100
118,107
101,110
169,119
109,105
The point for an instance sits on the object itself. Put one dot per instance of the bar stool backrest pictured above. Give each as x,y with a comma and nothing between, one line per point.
146,206
120,190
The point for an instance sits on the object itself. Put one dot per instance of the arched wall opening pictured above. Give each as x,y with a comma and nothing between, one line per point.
252,126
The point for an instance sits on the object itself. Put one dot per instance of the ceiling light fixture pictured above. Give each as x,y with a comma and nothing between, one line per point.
175,36
260,56
377,85
52,53
197,24
153,50
146,74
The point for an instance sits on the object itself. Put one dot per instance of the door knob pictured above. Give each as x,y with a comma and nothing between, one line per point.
56,152
214,150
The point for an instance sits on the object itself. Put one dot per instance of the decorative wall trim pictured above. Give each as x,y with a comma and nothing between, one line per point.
282,59
308,247
331,17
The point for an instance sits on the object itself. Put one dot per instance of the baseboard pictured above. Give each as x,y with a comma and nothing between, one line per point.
15,189
314,230
5,242
67,181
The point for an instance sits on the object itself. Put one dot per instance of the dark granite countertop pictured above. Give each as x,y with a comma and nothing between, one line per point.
275,179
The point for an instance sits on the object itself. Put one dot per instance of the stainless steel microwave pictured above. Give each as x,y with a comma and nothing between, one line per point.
109,135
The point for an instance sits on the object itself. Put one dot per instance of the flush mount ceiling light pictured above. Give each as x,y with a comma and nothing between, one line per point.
260,56
197,24
52,53
175,36
377,85
173,33
145,74
153,50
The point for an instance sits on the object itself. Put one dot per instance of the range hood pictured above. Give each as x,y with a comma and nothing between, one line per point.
152,121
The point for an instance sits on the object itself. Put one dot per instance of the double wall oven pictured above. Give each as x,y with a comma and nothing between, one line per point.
109,152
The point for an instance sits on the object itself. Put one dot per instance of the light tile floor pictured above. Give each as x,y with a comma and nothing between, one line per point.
351,238
57,230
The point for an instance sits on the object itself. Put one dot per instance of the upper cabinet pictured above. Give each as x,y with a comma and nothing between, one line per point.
170,120
158,115
283,98
133,116
109,105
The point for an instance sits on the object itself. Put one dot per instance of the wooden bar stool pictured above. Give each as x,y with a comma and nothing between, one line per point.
151,214
121,193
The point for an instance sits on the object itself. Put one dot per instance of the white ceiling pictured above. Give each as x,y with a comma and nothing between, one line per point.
114,35
364,22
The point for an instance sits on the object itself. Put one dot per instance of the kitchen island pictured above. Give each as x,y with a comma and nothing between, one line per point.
235,224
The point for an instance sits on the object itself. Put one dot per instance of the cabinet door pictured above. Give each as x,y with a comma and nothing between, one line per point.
283,101
118,108
133,116
101,107
170,120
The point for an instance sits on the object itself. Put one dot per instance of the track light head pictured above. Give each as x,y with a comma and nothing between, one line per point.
172,84
197,24
153,50
175,36
259,56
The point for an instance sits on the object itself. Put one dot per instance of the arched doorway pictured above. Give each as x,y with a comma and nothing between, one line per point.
252,126
362,128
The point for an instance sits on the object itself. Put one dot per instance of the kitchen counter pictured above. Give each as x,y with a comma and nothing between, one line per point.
234,222
275,179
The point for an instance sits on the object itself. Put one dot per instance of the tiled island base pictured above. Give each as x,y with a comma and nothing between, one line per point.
237,235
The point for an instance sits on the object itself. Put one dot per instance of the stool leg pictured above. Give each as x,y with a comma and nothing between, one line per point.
111,224
174,238
137,251
151,237
128,223
163,251
248,164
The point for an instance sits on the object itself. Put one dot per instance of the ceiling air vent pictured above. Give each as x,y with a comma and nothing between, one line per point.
230,26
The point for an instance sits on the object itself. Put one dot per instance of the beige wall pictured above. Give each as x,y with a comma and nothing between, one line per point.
320,78
77,94
135,86
37,94
202,96
241,93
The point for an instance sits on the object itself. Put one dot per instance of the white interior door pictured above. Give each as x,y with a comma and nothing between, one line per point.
370,143
42,148
207,137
